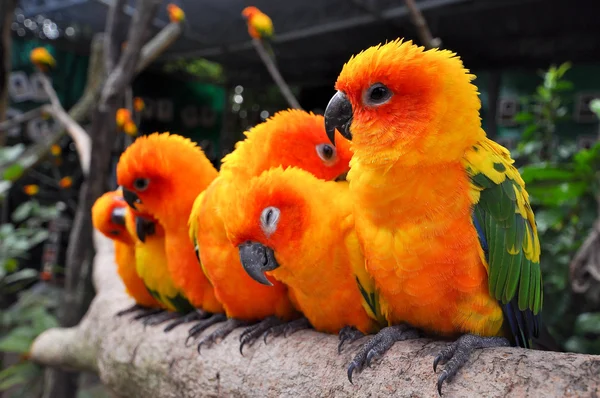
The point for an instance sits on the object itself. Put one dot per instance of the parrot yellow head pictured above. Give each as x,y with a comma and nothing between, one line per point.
42,58
399,103
161,172
269,214
108,216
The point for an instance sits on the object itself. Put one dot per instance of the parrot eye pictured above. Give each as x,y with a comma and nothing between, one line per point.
326,152
377,94
269,219
141,184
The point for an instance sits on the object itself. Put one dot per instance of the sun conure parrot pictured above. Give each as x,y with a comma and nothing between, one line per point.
285,226
42,59
260,27
108,217
161,175
441,212
289,138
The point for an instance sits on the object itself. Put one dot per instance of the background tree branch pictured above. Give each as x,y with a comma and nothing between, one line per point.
7,8
420,23
134,361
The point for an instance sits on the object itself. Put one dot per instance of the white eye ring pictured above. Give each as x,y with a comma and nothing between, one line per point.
269,218
327,153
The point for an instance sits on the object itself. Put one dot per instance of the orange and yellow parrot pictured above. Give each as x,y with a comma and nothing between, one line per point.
285,226
176,14
441,212
42,59
108,217
260,27
161,175
289,138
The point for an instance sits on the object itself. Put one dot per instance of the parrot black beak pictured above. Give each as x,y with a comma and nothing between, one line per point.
256,260
131,198
338,114
118,216
143,228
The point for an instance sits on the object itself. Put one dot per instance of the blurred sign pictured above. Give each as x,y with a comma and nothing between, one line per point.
189,108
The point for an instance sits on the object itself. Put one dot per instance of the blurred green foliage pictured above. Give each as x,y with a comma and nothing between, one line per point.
564,184
199,68
32,313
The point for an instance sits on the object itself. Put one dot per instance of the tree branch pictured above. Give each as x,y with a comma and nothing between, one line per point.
272,68
23,117
111,49
123,73
79,136
135,361
421,24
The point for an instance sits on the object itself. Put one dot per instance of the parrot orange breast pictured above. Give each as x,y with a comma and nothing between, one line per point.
241,296
422,249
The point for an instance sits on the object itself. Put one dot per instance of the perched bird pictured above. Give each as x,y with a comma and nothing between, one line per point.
108,217
441,212
260,27
42,59
176,14
288,138
161,175
285,226
130,128
65,182
31,189
138,104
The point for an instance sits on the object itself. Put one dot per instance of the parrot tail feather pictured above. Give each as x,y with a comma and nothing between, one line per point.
456,354
379,344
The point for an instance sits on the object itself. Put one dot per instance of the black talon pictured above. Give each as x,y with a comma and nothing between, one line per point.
350,370
435,362
160,318
440,382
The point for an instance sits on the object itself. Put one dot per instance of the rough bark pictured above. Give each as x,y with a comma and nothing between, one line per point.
7,8
134,361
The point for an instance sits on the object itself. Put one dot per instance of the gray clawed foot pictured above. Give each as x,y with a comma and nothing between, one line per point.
229,326
456,354
149,312
379,344
189,317
203,325
133,308
252,333
348,334
288,328
160,318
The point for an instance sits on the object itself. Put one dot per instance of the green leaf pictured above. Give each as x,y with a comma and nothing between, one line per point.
544,172
13,172
23,212
18,340
588,323
11,264
18,374
523,117
563,85
557,194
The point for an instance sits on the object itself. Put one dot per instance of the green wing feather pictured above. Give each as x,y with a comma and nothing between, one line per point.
508,234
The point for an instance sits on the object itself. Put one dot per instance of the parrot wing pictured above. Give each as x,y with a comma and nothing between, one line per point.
508,235
263,25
